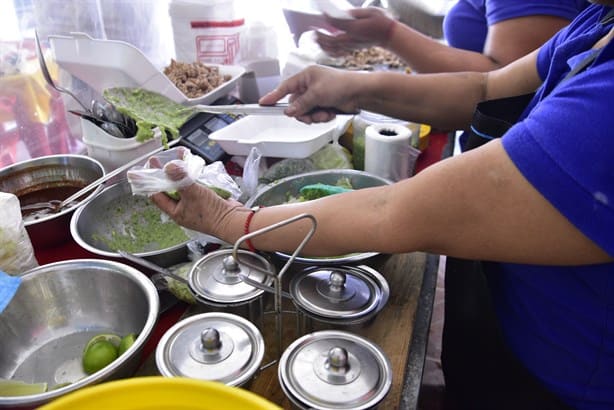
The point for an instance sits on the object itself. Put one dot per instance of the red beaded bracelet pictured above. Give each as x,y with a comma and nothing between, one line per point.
252,211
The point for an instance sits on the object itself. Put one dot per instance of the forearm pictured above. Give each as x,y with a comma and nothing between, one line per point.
424,54
445,101
498,216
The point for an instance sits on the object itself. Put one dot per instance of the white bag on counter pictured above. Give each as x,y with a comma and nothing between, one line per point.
16,252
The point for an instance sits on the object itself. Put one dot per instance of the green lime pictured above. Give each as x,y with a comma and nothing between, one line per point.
174,195
125,343
109,337
99,355
10,387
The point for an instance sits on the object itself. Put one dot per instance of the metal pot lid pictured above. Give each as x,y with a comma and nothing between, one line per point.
342,293
334,370
216,277
214,346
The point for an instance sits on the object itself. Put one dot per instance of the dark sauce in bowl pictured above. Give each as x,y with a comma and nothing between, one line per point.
45,195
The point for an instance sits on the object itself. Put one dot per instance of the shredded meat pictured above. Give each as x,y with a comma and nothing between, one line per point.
368,58
194,79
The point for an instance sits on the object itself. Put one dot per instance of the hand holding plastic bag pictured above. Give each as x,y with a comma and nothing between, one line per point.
153,177
176,168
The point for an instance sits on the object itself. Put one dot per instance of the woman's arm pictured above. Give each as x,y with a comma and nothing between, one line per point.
506,41
476,205
445,100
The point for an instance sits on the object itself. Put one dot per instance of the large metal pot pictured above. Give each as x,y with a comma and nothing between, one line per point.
57,309
334,370
278,193
53,177
116,219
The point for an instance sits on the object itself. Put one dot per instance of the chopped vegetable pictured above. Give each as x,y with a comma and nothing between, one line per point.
319,190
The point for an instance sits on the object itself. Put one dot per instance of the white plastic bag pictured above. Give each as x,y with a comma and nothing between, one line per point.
16,252
152,178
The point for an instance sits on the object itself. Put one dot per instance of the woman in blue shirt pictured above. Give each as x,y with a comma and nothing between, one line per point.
536,203
482,34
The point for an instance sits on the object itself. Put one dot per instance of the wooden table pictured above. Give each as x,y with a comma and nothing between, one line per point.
400,329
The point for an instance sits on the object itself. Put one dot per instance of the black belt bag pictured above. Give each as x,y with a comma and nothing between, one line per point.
493,118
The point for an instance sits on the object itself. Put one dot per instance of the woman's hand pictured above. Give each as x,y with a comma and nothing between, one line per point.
370,27
317,92
198,208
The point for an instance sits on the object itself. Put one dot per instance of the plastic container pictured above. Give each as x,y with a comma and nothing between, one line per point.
359,126
103,64
157,392
111,151
274,136
208,31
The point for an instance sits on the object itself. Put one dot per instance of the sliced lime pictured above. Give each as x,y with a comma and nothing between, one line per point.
109,337
19,388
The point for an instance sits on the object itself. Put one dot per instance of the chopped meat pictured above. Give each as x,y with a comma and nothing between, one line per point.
194,79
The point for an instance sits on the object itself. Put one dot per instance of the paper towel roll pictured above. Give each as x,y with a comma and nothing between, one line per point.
388,152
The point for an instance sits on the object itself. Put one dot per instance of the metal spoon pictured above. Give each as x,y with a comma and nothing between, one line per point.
47,75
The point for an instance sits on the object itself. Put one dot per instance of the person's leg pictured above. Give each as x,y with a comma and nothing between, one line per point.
480,371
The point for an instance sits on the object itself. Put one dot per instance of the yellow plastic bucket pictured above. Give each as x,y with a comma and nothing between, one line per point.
160,393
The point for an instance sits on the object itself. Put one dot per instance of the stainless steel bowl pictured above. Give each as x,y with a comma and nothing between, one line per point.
278,193
114,211
45,178
57,309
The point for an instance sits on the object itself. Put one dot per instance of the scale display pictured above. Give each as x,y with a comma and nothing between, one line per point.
195,133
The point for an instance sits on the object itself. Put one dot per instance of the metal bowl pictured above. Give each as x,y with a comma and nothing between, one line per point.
57,309
45,178
278,193
116,211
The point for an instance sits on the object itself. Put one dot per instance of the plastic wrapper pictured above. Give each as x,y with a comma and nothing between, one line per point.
332,156
16,252
152,178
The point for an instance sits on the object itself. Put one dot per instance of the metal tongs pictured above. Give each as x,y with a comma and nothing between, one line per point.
255,109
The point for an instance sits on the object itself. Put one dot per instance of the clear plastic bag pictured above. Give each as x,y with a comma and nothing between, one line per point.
152,178
16,252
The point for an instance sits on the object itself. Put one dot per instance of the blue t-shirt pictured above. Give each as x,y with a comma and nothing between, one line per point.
559,321
466,24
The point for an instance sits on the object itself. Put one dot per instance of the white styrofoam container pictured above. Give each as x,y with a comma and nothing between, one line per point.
111,151
275,136
106,64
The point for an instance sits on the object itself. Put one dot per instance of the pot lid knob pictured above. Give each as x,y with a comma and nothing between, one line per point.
337,281
210,339
338,359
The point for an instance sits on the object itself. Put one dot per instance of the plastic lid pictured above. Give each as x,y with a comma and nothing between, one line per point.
334,369
211,346
343,294
217,278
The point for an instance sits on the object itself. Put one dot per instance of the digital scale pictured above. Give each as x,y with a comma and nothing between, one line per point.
195,133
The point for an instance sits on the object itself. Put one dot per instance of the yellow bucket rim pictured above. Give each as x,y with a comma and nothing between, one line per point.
160,393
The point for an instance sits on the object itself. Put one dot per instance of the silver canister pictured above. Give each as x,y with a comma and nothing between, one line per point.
334,370
338,295
215,346
220,281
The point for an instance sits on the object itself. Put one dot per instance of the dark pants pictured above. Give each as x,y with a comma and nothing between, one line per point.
480,371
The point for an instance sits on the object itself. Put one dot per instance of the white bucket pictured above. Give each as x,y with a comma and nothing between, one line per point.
208,31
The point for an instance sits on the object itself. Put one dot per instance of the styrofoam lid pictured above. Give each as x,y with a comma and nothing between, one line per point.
105,64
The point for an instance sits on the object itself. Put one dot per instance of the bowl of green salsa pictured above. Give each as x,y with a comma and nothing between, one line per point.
118,220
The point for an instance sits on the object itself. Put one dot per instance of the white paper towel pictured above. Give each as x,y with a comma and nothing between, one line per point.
388,152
